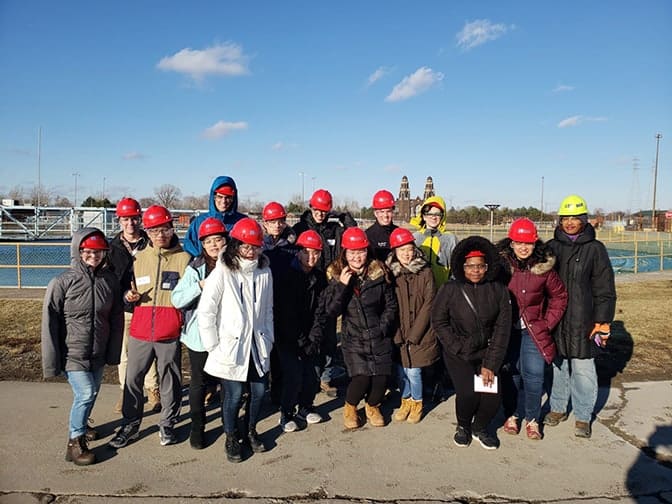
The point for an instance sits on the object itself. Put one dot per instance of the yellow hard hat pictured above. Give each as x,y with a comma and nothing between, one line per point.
573,205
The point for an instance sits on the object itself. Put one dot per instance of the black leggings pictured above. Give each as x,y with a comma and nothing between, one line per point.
470,405
371,387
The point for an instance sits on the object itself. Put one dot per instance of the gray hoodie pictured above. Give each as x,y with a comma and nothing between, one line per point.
82,316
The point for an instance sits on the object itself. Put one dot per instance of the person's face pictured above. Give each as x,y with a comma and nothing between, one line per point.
247,251
384,216
223,202
213,245
571,225
475,268
161,236
130,226
309,258
356,259
318,215
405,253
92,257
275,227
522,250
432,217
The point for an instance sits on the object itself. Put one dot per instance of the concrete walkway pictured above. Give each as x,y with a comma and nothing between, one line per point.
324,463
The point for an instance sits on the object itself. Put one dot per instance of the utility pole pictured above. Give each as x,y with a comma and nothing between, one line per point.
541,210
39,163
655,177
303,192
76,174
103,197
492,207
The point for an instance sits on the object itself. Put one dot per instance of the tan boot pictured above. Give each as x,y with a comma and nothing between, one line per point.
402,413
79,453
350,417
416,411
153,400
374,415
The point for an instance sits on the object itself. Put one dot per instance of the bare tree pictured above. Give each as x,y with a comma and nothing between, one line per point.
16,193
196,202
168,195
62,201
147,202
44,196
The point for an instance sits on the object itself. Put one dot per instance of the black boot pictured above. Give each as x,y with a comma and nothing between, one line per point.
232,447
197,435
255,443
79,453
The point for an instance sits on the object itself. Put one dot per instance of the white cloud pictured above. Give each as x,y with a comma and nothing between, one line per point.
392,168
561,88
278,146
223,59
377,75
418,82
578,119
133,156
479,32
222,128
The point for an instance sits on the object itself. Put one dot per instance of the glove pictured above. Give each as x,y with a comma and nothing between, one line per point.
600,334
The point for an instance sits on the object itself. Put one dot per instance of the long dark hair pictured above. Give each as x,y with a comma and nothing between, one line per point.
231,255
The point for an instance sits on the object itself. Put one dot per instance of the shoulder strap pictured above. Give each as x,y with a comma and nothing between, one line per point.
473,309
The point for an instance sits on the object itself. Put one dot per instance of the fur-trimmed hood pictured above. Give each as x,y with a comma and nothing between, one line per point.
415,266
374,270
475,243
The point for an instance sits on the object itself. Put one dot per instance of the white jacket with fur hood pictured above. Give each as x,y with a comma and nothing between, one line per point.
235,319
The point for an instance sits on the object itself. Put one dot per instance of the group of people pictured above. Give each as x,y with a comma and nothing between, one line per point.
251,300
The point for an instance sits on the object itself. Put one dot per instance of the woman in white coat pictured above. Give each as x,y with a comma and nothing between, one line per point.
235,321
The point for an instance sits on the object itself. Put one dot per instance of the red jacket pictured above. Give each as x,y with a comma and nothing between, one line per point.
539,297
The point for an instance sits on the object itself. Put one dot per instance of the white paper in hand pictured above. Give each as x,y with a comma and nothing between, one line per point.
479,386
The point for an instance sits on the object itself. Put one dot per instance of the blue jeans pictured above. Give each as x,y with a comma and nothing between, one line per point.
85,386
578,378
530,380
233,392
410,382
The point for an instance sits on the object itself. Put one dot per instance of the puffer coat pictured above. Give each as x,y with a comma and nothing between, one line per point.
460,333
415,290
369,309
538,296
586,271
82,316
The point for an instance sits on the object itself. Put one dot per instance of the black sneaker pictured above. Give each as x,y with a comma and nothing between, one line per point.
167,435
255,443
488,441
462,437
125,435
232,446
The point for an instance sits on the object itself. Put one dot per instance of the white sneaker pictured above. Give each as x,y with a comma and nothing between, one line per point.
309,416
288,426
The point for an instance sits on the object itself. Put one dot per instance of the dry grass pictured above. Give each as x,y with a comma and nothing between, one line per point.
640,347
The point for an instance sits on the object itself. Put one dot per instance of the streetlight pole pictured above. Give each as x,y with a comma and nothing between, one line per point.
103,197
313,179
541,210
303,194
492,207
76,174
655,177
39,165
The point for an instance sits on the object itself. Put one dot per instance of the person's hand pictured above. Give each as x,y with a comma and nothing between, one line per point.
600,334
346,275
201,283
132,295
487,376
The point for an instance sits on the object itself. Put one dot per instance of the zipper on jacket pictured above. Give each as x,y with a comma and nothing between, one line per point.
157,282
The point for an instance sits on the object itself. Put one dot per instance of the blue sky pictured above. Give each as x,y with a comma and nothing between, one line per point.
485,97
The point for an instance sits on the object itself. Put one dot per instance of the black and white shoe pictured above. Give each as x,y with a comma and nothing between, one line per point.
462,437
125,435
488,441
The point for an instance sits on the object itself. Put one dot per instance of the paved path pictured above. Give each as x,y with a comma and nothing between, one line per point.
324,463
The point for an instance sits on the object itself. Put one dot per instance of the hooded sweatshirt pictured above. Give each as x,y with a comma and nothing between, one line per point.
437,244
82,316
191,243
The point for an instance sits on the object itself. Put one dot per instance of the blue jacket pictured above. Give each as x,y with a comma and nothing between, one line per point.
191,243
185,296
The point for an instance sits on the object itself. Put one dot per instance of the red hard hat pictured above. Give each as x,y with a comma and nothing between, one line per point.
523,230
94,241
309,239
211,226
156,215
383,199
128,207
401,236
273,211
248,231
354,238
321,200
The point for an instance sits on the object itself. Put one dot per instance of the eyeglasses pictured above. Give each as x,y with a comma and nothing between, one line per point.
432,214
475,267
223,197
246,247
160,231
93,252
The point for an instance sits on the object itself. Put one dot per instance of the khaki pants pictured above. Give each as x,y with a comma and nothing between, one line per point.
152,377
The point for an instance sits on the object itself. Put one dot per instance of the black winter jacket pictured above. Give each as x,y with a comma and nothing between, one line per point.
121,262
330,230
586,271
379,237
460,333
369,309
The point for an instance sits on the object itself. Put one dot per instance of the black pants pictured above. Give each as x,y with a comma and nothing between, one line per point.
474,410
370,387
299,381
197,387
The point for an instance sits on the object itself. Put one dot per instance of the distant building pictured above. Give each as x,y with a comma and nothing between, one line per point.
407,207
